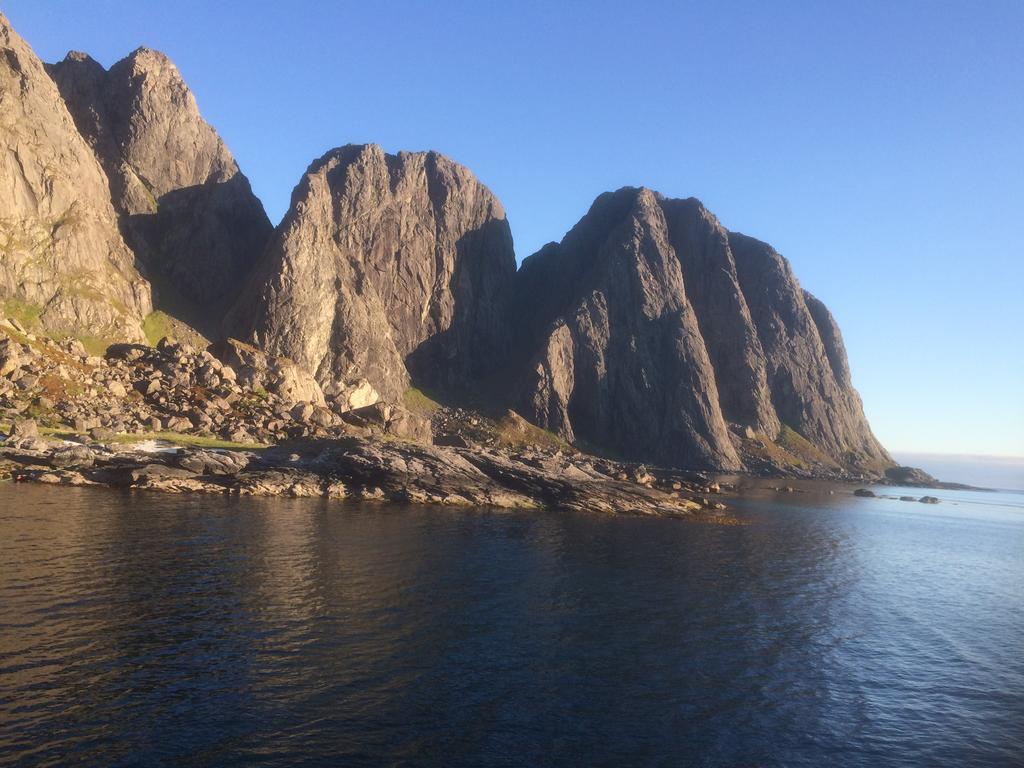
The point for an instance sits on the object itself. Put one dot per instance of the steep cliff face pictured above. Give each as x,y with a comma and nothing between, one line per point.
656,334
62,257
808,374
620,362
385,267
185,208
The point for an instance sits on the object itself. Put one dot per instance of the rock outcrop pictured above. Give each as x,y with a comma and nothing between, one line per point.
656,334
62,259
185,208
387,268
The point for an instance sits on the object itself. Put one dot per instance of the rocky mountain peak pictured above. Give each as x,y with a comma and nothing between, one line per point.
385,267
656,333
64,262
187,211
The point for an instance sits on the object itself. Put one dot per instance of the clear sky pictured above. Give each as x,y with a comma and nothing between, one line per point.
878,145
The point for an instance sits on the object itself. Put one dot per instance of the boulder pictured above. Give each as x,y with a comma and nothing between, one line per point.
283,377
77,456
203,462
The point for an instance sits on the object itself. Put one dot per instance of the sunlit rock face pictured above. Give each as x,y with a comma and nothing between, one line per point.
185,208
652,332
62,258
388,268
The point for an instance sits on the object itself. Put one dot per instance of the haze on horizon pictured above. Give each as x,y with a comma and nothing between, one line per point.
877,147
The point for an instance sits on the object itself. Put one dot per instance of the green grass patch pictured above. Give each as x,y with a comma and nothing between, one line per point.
796,444
26,313
418,402
95,345
515,431
159,324
188,441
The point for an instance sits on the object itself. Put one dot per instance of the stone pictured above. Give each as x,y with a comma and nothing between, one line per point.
406,425
348,397
10,356
929,500
26,428
203,462
127,352
277,375
102,434
864,493
72,456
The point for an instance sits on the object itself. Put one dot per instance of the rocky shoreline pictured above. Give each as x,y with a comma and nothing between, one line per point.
253,424
366,470
176,419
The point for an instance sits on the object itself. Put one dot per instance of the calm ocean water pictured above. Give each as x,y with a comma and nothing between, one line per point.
824,630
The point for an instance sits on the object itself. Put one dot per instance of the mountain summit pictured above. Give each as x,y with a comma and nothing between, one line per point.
185,207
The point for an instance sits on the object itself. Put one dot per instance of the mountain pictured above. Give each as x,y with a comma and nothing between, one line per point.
185,207
392,268
649,333
64,263
654,333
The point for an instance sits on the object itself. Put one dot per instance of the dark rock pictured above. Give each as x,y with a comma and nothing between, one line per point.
928,500
910,476
864,492
213,462
72,456
650,326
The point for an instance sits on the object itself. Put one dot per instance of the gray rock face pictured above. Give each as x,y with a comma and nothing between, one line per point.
615,351
807,371
652,330
62,253
186,209
386,267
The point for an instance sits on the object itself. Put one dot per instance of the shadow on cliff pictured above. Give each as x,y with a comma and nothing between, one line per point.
465,365
198,248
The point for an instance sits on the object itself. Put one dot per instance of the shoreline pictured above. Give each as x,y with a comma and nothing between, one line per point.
397,471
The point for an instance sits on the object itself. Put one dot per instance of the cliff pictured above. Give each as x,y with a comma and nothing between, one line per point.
655,333
389,268
64,263
186,209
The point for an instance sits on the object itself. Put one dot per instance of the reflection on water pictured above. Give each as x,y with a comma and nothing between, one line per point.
143,629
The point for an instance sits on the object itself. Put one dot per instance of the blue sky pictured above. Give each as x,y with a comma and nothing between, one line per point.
879,146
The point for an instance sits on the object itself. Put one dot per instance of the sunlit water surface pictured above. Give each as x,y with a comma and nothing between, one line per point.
824,631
